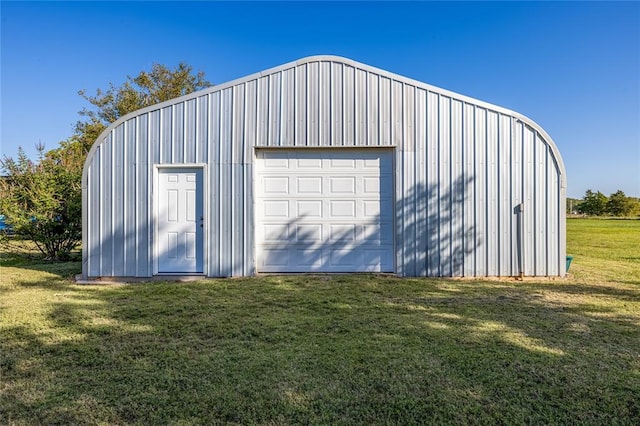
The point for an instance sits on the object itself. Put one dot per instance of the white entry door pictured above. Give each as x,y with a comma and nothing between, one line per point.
180,221
324,210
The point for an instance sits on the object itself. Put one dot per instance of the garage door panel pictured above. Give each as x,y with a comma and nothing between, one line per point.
343,258
311,258
371,185
275,233
275,185
344,233
309,185
309,233
324,210
274,259
342,185
309,209
276,209
371,208
341,209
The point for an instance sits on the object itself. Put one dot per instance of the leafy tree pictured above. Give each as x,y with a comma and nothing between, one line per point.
147,88
42,202
634,204
593,203
620,205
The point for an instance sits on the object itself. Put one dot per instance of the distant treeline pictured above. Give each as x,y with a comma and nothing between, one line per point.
598,204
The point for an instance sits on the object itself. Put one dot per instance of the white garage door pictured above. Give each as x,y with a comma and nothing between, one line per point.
324,210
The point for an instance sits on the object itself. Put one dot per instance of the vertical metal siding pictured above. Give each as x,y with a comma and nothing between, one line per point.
164,132
373,112
516,196
178,144
361,136
313,107
407,219
420,183
505,206
117,194
106,212
385,111
93,234
202,129
275,101
552,225
226,180
469,181
190,116
143,258
335,105
131,195
432,187
300,110
492,206
214,222
528,198
324,87
443,185
461,168
457,190
287,105
540,201
348,107
238,184
480,189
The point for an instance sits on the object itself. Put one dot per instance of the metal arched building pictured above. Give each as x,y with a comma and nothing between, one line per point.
324,164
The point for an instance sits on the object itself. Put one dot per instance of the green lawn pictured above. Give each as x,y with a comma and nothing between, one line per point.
359,349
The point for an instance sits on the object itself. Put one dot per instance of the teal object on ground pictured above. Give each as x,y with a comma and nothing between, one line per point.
569,259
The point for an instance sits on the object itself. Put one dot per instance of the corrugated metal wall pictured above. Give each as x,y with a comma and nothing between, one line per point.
462,169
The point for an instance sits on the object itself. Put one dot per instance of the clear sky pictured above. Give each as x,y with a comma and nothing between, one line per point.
574,67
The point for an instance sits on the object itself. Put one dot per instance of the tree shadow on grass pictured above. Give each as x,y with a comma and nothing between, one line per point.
322,349
23,261
603,289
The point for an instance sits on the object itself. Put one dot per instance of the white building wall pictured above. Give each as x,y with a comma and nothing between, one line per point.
462,167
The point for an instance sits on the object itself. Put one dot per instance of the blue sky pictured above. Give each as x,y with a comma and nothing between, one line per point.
572,67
